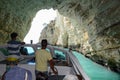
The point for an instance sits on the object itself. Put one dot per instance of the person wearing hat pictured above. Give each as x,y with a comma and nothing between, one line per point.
13,72
11,61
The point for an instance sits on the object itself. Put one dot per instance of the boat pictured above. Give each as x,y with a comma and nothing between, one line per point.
65,62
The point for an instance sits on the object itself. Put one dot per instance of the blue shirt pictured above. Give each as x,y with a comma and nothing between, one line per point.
17,73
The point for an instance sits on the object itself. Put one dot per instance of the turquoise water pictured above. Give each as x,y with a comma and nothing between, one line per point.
95,71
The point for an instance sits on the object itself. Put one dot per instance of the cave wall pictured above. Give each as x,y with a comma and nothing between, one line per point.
101,20
92,26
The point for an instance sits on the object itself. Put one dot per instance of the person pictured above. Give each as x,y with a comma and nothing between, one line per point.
42,58
13,72
23,51
13,45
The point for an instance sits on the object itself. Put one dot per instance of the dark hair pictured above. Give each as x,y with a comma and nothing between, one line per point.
44,42
14,35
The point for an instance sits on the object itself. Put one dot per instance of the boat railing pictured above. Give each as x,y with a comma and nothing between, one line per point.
77,66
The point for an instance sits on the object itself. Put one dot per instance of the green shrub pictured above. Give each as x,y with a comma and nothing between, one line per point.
112,63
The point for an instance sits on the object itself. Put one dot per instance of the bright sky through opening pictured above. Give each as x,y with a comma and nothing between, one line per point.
42,17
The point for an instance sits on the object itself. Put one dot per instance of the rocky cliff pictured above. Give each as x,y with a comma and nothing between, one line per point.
91,26
93,31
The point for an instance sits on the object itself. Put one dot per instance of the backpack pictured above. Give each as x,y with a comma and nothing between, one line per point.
17,73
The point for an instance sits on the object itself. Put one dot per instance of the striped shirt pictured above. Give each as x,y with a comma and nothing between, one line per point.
13,47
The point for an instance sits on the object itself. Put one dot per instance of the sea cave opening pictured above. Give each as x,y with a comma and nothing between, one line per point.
42,18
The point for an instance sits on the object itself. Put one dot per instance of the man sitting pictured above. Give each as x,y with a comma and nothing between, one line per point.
14,72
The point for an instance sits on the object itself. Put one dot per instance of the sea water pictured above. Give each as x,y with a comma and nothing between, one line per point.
94,70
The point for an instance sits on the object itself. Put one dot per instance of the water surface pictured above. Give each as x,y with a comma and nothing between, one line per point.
94,70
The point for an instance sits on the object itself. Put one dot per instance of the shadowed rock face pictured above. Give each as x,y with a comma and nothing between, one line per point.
89,25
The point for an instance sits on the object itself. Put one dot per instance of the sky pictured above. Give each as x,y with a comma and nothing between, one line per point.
42,17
